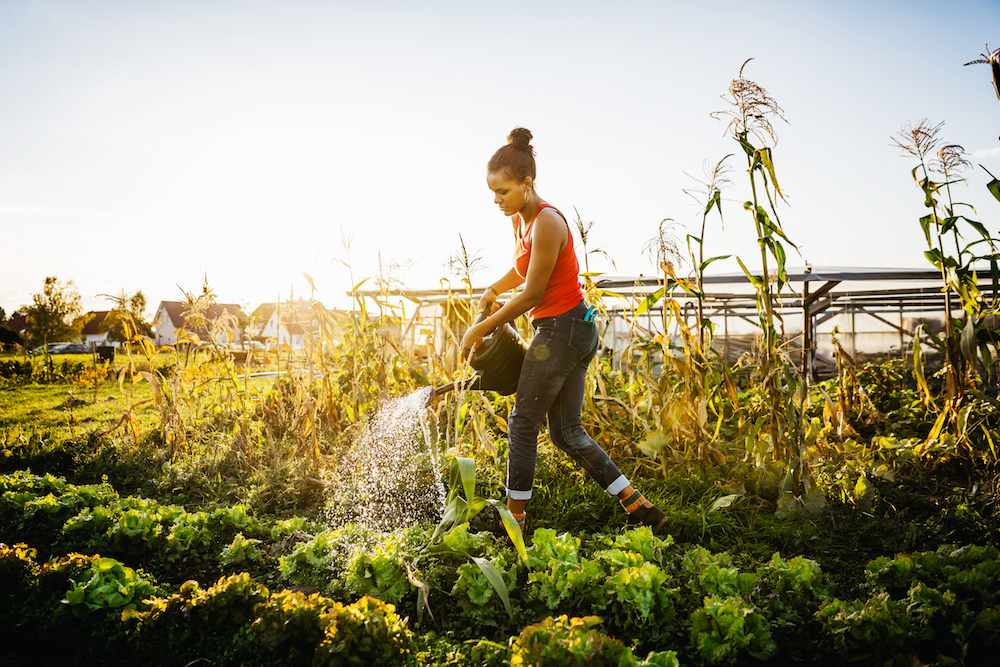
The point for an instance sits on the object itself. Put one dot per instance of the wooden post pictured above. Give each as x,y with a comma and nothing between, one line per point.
854,335
902,354
806,334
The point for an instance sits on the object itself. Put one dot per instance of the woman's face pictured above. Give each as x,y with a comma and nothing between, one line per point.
508,193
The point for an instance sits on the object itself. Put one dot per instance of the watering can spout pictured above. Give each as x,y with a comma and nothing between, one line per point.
444,389
468,383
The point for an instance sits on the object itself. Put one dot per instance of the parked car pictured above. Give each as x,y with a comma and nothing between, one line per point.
63,348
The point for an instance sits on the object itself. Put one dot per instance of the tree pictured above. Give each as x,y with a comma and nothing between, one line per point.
128,311
56,313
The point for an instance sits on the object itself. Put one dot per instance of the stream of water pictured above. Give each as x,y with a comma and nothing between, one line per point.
392,475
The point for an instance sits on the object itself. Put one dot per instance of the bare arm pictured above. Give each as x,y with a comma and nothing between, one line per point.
508,282
549,236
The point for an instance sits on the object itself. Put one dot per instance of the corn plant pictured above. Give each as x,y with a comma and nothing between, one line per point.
991,58
967,338
717,178
458,512
752,108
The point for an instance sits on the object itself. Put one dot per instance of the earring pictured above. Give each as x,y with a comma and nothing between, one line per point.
525,196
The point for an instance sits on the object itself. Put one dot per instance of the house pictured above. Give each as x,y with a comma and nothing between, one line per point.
19,323
91,332
291,322
170,321
285,323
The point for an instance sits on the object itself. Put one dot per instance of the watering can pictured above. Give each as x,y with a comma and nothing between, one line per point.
497,362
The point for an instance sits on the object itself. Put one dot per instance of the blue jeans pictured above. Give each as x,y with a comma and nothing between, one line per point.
552,383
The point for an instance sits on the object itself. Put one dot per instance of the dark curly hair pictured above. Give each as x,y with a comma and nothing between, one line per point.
516,160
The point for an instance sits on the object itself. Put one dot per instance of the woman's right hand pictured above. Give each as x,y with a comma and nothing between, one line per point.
486,301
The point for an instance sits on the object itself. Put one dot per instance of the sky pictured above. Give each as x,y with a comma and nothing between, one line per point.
155,145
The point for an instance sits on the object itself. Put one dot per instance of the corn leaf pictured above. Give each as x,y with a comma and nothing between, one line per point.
756,281
704,265
723,502
513,530
765,158
968,340
467,472
496,580
938,425
650,301
918,365
994,188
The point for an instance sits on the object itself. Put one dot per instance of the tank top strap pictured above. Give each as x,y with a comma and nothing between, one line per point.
527,230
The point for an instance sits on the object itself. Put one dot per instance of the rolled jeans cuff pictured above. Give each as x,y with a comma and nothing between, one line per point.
514,494
616,486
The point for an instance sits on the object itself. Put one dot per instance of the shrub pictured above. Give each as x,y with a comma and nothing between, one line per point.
211,624
107,584
18,581
727,630
367,632
292,625
566,642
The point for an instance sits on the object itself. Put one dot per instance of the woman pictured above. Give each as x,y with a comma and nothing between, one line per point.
555,366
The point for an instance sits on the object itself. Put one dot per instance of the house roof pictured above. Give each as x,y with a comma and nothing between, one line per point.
175,311
300,310
18,323
93,325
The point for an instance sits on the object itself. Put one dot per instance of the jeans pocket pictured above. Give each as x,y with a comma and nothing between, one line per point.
582,337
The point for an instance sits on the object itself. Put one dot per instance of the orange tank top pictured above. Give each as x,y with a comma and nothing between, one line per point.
562,292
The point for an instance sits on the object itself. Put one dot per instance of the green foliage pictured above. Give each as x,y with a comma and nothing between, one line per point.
632,592
865,629
368,632
106,585
924,602
461,510
642,597
240,551
292,624
18,579
325,632
381,571
54,314
577,642
566,642
310,560
563,581
476,596
451,534
728,629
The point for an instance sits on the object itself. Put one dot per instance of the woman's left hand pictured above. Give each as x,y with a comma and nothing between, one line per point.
473,338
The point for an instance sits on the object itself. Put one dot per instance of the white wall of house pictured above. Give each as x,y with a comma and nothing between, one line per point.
270,328
277,331
164,331
99,338
295,341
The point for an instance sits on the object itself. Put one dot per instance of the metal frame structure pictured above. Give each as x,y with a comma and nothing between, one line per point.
815,304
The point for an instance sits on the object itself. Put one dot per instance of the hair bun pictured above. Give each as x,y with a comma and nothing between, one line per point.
520,138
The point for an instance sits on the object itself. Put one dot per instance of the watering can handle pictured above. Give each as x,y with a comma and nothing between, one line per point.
483,315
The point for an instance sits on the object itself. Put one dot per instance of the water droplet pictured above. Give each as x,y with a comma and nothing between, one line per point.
391,477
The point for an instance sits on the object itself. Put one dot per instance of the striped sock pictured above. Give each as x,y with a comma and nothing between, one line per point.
520,518
633,502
